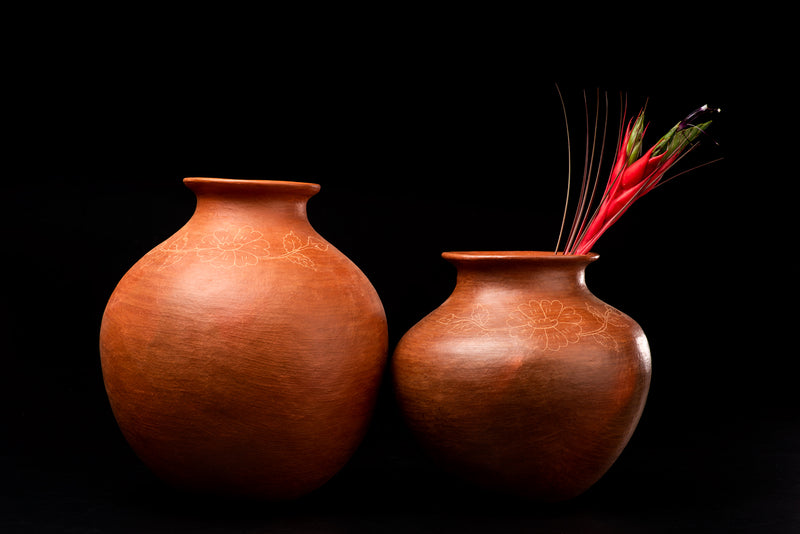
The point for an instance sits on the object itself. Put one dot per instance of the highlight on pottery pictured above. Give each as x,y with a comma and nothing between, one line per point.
522,381
243,355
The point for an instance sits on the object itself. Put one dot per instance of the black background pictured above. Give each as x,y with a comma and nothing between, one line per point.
427,132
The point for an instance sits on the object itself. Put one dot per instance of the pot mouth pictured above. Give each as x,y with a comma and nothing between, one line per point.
518,255
206,184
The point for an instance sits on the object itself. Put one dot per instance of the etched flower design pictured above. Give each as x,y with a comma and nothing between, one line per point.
597,324
294,247
549,323
244,246
477,320
167,253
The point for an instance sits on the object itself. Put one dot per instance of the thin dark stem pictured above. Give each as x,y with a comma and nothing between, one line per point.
586,210
663,181
586,171
610,181
569,169
594,147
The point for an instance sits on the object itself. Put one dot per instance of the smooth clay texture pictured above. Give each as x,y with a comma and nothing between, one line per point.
243,355
522,381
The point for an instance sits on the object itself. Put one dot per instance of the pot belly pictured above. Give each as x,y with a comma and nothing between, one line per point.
543,424
263,392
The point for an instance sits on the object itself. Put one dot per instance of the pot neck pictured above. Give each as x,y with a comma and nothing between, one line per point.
526,270
251,199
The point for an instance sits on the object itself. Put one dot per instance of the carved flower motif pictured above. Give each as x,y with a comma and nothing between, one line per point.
244,246
294,247
167,253
548,323
477,321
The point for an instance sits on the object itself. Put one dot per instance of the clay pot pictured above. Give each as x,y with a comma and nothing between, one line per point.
243,355
522,381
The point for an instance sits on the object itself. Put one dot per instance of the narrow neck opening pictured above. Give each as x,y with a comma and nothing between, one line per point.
542,270
261,189
261,198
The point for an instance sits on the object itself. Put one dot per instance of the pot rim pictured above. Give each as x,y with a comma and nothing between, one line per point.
279,185
518,255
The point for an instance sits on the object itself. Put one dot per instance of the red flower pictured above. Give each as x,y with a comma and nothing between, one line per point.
634,175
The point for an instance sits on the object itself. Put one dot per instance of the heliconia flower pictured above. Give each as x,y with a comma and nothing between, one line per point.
635,174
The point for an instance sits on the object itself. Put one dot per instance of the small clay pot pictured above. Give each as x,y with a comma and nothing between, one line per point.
522,381
243,355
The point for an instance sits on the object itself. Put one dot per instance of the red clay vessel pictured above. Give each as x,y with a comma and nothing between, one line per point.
243,355
522,381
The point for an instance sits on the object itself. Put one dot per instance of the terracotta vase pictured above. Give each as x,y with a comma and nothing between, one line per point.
243,355
522,381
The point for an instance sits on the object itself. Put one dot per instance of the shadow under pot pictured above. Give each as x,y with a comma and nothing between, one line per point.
522,381
243,355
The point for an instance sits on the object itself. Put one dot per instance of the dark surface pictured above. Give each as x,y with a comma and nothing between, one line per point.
106,121
738,477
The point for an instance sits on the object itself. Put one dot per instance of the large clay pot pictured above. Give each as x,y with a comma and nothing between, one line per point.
243,355
523,381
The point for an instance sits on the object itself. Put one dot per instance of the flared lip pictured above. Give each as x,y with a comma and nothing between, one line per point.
518,255
197,183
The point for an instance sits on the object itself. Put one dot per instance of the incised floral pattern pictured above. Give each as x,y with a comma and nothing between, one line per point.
235,248
547,324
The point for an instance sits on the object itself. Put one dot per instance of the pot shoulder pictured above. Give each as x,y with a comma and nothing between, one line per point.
541,324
